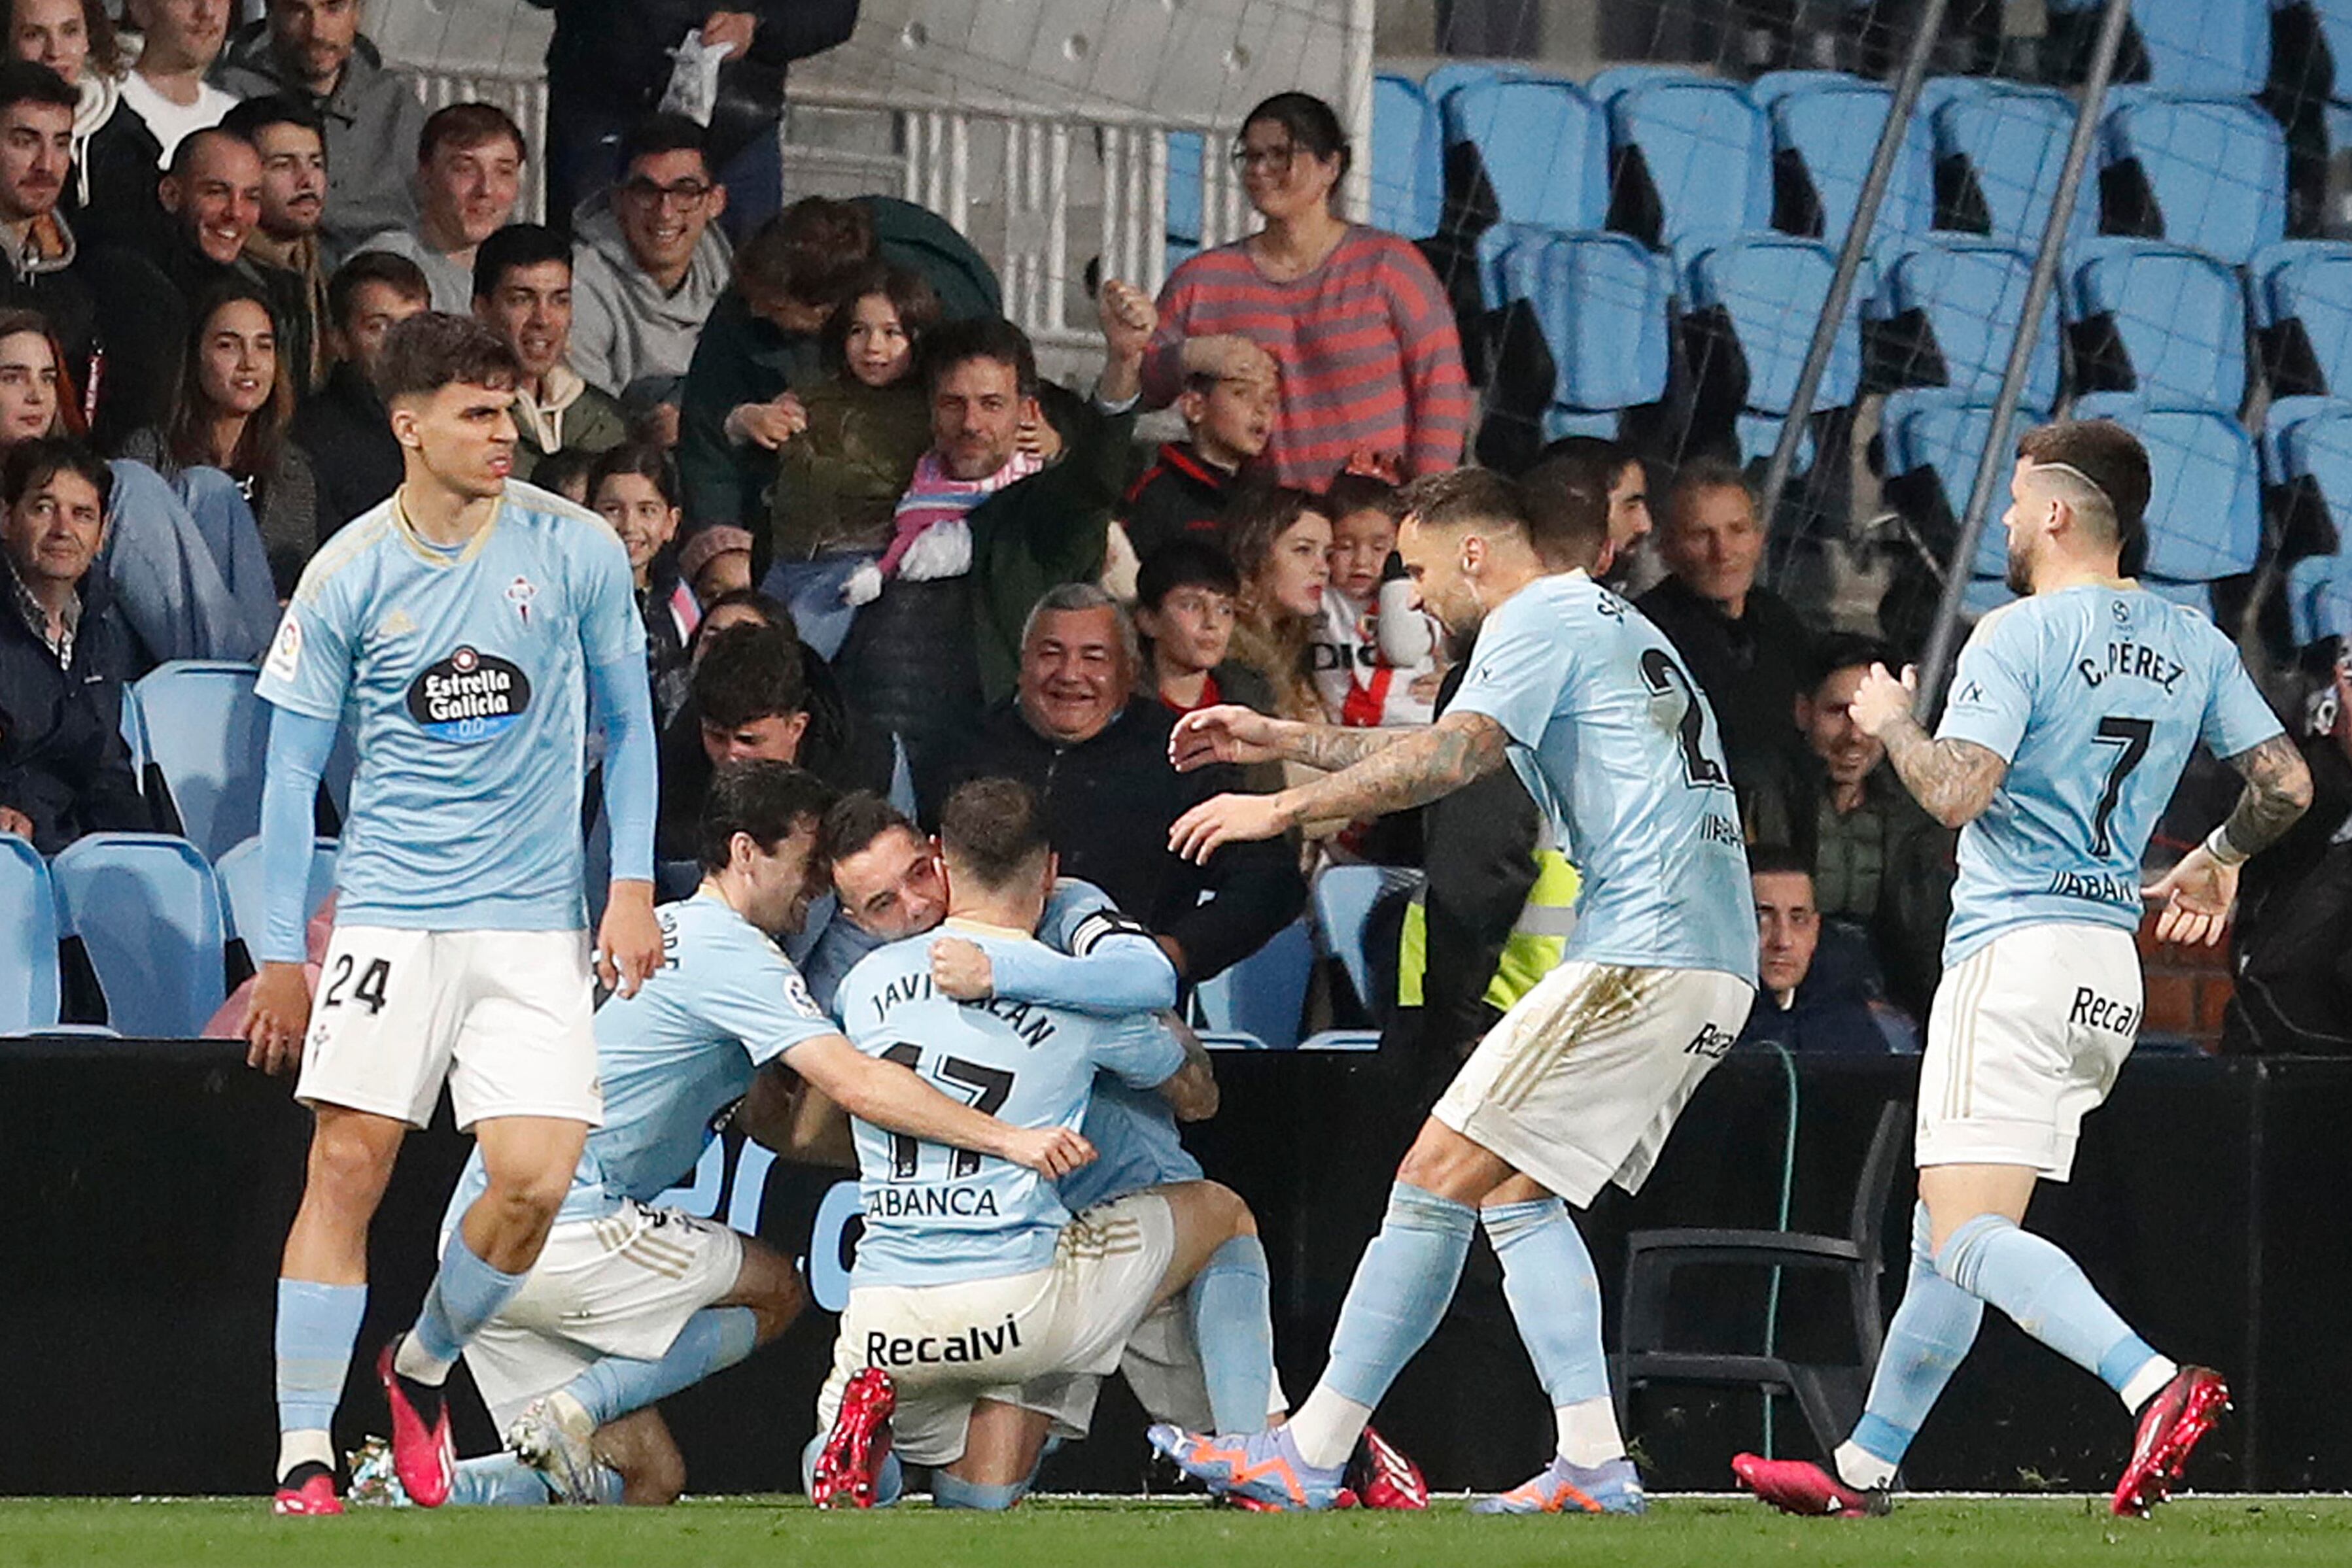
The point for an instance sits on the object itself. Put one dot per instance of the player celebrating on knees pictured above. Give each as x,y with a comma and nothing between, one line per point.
476,631
1580,1083
2071,716
628,1304
973,1279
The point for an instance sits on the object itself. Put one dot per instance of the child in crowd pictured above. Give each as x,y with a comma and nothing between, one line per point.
1375,651
1190,482
566,472
1281,543
633,487
1184,609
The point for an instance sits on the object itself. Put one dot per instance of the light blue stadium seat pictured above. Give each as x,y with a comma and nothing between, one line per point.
2179,314
1984,595
1544,145
2221,47
1774,287
2216,167
244,890
2204,505
2309,283
2319,598
2318,447
148,910
208,734
1441,80
1408,158
1833,131
1187,195
1262,996
2336,28
1970,294
1708,151
134,735
1772,87
1934,430
2015,141
1601,302
1345,897
2280,419
28,940
1606,87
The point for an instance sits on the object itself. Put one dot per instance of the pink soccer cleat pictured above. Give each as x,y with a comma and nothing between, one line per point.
2170,1425
860,1441
424,1455
1801,1487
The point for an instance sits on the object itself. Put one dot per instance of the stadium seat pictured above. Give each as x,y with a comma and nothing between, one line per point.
1441,80
1774,86
1607,86
2317,447
2303,311
243,889
1344,899
2335,23
1951,306
2283,415
1544,147
28,940
1187,195
208,736
1600,301
1773,290
2319,598
1826,136
1707,154
2204,504
1408,158
2163,322
1262,997
2214,172
133,733
2218,48
148,911
1935,435
2010,146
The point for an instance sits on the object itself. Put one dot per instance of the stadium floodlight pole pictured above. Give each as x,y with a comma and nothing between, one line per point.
1881,174
1936,664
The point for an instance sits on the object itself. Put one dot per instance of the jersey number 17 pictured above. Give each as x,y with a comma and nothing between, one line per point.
984,1089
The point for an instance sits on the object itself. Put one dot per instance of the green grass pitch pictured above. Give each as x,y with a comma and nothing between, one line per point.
1692,1533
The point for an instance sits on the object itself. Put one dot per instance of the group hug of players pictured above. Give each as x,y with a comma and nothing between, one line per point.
1003,1060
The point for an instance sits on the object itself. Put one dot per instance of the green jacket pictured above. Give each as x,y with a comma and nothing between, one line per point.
838,482
594,423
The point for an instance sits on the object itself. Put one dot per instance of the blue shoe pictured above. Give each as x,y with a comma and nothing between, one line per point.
1262,1470
1563,1487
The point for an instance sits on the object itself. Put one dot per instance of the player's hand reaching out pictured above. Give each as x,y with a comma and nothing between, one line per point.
1226,733
1052,1152
278,1017
960,969
1228,819
629,941
2196,895
1882,698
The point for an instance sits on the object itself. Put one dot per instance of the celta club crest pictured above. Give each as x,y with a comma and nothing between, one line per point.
520,593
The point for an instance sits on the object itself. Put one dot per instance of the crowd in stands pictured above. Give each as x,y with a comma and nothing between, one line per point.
866,537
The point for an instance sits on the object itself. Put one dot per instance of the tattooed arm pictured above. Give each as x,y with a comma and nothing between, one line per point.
1953,780
2198,892
1242,736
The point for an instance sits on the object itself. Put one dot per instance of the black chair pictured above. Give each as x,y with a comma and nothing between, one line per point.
1831,1395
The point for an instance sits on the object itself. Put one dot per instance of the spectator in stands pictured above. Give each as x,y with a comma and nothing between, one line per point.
522,291
566,472
232,412
1184,598
1374,654
64,656
987,525
716,561
1360,325
76,39
343,427
1100,760
1741,642
166,88
633,487
283,247
1188,487
1281,543
1589,461
849,444
609,63
470,160
313,51
647,265
212,205
1805,1001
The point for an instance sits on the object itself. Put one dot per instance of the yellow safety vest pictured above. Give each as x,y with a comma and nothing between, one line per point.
1529,953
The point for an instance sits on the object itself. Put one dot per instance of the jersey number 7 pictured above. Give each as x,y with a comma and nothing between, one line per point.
2130,737
981,1088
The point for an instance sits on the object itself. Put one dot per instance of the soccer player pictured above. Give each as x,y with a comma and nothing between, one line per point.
629,1304
1580,1083
2072,714
973,1279
475,631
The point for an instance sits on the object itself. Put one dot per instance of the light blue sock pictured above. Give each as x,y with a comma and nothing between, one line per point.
315,1327
2046,1293
1231,1300
713,1339
953,1491
1931,1334
499,1481
889,1482
466,1295
1554,1296
1400,1292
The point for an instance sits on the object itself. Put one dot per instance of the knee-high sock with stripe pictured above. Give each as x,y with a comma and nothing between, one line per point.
1399,1295
1555,1298
466,1295
1932,1331
713,1339
315,1329
2047,1295
1230,1302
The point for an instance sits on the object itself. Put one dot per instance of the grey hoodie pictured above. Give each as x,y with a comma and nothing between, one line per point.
627,336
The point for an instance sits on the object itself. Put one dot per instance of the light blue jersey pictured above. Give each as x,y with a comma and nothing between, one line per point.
724,1003
1616,743
465,673
936,1215
2095,697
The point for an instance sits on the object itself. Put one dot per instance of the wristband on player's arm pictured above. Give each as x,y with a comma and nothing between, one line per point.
300,744
620,704
2224,852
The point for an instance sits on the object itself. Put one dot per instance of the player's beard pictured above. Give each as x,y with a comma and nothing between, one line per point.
2020,569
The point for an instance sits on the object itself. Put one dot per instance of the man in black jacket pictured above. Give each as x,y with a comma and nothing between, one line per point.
64,769
1101,763
343,427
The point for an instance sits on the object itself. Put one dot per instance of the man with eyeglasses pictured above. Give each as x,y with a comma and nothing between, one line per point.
647,264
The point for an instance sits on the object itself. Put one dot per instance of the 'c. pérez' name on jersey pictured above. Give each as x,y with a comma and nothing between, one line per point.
465,673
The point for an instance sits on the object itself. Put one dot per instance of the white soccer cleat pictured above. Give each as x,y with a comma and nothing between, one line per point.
555,1436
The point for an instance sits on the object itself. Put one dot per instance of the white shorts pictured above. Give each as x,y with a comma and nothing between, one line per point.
1162,1366
947,1347
1580,1083
507,1017
2025,1036
622,1285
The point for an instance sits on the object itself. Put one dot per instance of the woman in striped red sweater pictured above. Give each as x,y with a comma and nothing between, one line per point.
1357,323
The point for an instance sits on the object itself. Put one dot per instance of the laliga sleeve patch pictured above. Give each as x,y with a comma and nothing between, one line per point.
285,648
797,997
